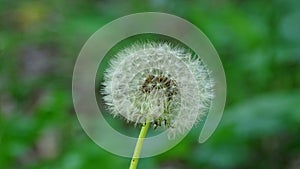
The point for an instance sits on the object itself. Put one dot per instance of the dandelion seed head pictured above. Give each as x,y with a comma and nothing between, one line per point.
160,83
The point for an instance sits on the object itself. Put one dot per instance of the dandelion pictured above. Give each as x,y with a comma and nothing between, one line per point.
159,84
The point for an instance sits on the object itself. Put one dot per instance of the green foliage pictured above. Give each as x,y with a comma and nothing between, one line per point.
258,43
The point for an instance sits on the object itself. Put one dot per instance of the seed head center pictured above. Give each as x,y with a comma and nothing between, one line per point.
160,82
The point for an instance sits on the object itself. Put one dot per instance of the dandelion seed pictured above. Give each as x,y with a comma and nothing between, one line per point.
149,82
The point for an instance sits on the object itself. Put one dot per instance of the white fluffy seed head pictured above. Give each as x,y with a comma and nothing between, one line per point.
160,83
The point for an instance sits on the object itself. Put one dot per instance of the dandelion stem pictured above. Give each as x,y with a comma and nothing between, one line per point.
139,145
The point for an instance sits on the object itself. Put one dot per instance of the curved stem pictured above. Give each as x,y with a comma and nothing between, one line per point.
139,145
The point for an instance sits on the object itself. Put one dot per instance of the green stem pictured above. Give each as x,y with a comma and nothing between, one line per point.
139,145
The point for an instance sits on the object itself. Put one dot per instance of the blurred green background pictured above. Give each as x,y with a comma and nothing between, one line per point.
258,42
